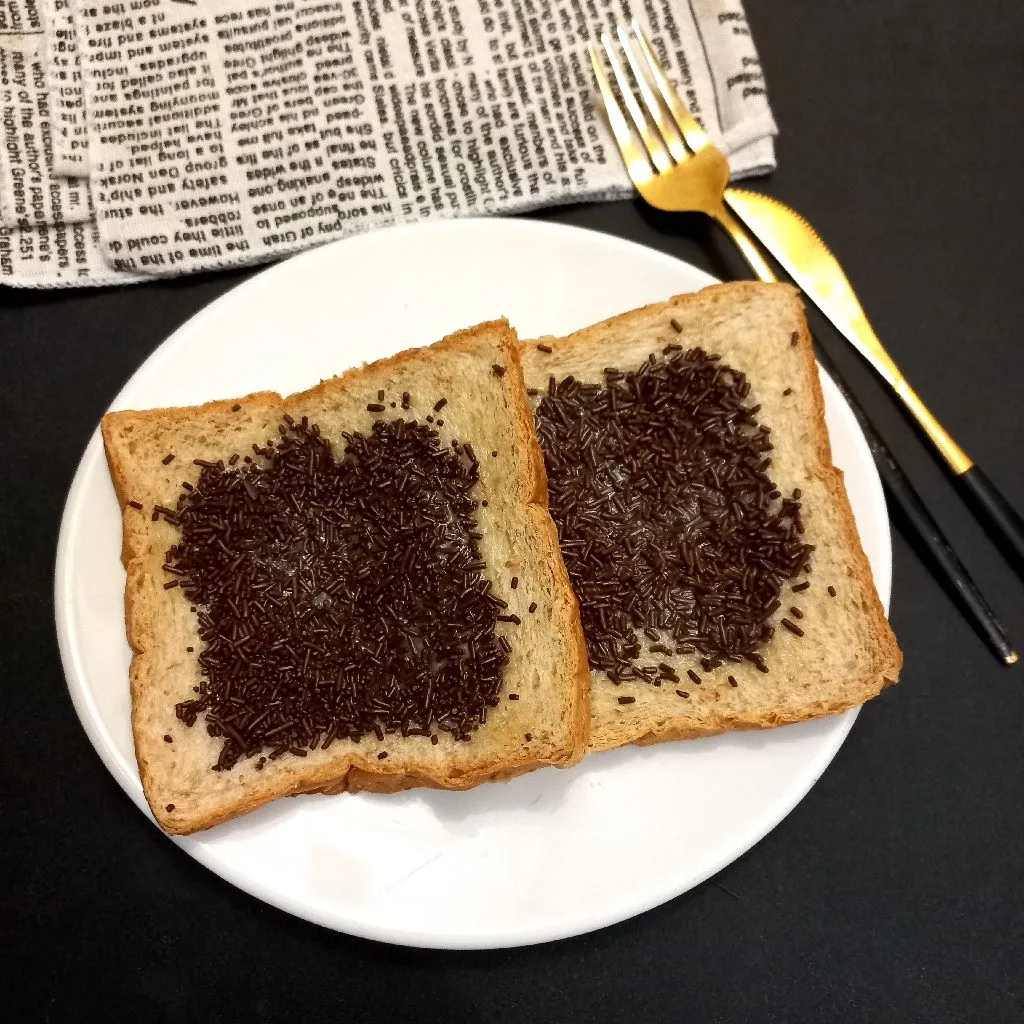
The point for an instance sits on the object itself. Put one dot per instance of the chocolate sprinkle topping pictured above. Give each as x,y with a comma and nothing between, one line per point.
544,348
168,458
338,597
792,627
667,518
236,407
498,370
627,700
831,591
136,504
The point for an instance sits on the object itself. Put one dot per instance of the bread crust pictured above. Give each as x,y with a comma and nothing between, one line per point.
715,709
347,766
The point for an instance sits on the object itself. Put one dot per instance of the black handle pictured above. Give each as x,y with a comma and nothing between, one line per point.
931,541
1004,520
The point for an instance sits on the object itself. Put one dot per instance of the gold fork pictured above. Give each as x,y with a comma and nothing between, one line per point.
679,181
671,177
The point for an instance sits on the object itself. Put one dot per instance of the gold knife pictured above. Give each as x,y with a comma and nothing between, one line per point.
809,261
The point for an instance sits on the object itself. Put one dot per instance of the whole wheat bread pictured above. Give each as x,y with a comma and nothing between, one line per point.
547,666
847,653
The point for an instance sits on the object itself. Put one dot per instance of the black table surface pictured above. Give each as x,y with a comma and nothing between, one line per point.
893,891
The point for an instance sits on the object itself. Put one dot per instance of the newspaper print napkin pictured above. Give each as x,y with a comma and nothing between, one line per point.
215,133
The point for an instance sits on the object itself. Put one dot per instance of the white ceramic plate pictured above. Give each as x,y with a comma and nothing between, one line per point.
547,855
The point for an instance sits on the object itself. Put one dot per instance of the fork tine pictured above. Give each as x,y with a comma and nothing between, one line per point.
637,165
655,147
696,137
667,128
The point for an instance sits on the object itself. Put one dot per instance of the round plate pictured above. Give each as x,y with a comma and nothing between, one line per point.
547,855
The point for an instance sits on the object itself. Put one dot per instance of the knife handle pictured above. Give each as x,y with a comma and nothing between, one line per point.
930,540
1002,517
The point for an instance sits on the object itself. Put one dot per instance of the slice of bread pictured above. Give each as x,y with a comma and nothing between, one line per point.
478,371
847,653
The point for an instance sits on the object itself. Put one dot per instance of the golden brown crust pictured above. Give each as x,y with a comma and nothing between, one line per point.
645,728
352,769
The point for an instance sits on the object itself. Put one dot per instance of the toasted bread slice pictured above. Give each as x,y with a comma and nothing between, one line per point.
478,371
847,653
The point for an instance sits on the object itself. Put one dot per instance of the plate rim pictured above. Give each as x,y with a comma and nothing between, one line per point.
127,774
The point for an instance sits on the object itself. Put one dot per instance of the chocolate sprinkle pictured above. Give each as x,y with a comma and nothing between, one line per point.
792,627
440,404
167,738
338,596
666,517
544,348
796,613
682,693
513,696
382,755
533,607
136,504
787,392
514,583
732,681
831,591
498,371
168,458
801,586
169,807
627,700
375,407
528,737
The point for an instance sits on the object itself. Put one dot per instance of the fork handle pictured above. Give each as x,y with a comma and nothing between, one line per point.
745,244
1004,519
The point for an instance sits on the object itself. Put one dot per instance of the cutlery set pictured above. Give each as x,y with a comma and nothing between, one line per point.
675,167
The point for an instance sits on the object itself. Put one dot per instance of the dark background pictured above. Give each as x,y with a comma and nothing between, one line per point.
892,893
